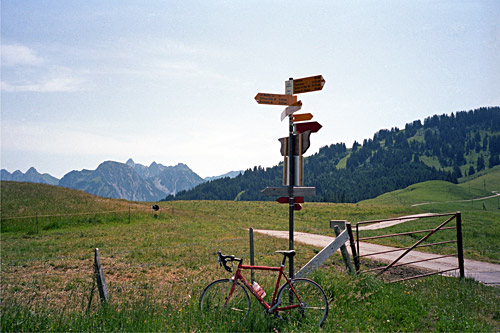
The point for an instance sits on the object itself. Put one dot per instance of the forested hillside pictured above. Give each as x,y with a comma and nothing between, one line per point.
443,147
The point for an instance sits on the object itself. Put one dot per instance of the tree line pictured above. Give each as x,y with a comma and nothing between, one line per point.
443,147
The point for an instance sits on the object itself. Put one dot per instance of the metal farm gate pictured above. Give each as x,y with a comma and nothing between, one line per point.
398,262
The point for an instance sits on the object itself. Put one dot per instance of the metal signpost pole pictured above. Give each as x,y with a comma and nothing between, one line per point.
291,184
307,84
291,179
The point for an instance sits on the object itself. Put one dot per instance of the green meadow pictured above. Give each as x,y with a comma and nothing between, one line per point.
157,266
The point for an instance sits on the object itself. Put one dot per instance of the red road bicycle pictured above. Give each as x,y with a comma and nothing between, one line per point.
297,299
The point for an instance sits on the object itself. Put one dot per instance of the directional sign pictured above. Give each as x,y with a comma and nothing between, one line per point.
312,126
307,84
305,144
275,99
302,117
297,206
291,109
287,200
283,191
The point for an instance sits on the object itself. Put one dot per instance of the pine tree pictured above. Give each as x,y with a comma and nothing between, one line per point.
480,163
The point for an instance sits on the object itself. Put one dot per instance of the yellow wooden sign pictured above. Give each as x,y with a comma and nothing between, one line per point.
307,84
302,117
275,99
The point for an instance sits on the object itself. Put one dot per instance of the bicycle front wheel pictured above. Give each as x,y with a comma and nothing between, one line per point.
217,300
313,303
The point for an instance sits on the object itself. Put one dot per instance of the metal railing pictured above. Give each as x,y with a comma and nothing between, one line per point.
420,243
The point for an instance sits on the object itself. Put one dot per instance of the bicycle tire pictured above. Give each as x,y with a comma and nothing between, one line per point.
314,308
214,296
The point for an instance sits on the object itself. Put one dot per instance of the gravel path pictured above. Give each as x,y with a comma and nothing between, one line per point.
483,272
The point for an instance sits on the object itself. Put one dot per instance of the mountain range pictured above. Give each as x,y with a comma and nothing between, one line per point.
31,176
443,147
130,180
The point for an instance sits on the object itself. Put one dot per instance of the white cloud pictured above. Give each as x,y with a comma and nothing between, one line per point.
16,54
38,78
56,84
53,79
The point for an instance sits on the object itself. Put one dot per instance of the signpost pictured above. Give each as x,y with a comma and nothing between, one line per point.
305,144
290,110
312,126
294,146
297,191
284,200
275,99
302,117
307,84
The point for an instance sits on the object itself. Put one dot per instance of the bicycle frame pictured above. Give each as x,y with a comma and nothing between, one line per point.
269,307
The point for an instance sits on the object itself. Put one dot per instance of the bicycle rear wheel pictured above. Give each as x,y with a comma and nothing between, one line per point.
215,300
313,302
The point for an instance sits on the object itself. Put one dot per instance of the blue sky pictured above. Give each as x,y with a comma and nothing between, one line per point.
174,81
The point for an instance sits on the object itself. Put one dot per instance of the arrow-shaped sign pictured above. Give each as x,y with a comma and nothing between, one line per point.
307,84
302,117
284,200
283,191
312,126
305,144
291,109
275,99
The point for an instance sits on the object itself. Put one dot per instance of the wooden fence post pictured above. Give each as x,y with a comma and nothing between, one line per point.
101,281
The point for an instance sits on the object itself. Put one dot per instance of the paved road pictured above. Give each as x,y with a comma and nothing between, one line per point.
486,273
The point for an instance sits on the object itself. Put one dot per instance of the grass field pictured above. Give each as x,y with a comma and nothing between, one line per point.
156,268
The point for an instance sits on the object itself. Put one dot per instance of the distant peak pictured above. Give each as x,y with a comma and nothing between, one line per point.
130,161
31,170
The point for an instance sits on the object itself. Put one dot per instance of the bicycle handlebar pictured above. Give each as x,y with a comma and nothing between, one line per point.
223,260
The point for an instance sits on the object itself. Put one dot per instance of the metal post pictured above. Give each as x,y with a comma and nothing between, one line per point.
345,254
353,246
252,255
357,245
36,217
460,245
291,184
101,281
129,215
291,181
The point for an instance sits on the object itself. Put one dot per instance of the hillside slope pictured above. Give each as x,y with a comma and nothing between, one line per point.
484,185
446,147
28,199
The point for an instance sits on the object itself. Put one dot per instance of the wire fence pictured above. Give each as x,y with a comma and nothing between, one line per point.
40,222
59,215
